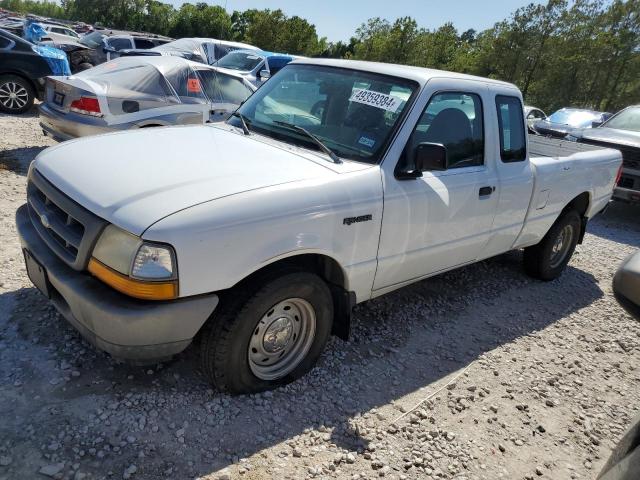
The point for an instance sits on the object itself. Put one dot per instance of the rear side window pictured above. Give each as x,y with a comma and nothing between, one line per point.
513,146
4,42
143,43
119,43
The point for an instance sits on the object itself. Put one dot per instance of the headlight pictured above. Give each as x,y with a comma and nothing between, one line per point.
135,267
153,262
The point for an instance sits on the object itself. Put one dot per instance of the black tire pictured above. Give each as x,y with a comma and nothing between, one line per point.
84,66
225,356
16,94
541,261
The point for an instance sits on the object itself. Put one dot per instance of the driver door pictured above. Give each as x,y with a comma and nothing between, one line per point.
440,219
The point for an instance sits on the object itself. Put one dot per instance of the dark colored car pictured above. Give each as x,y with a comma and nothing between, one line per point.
23,68
622,132
103,45
565,120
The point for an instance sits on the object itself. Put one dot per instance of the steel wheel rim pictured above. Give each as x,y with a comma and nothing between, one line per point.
13,95
561,246
282,338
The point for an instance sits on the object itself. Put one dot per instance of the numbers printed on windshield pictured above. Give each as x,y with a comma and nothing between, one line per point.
376,99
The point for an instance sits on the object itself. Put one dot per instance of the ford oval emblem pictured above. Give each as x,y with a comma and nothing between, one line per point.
45,221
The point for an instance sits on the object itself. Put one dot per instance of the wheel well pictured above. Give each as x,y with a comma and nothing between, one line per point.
326,268
23,77
322,265
580,204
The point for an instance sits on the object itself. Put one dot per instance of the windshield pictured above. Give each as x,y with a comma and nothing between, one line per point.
93,39
242,61
575,118
353,113
627,119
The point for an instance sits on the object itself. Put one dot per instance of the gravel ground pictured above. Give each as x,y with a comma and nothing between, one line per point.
481,373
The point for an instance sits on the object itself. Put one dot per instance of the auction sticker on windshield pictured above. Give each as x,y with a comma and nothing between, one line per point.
376,99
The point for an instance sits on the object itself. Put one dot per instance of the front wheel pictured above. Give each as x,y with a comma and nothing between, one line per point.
268,338
548,259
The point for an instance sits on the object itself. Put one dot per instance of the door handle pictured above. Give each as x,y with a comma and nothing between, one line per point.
486,191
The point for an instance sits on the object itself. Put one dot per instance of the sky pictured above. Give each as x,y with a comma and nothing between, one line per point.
338,19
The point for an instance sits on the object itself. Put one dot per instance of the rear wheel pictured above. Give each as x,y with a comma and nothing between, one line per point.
269,337
548,259
16,94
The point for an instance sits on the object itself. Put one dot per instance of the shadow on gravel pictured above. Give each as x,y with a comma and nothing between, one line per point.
402,343
18,159
620,223
30,114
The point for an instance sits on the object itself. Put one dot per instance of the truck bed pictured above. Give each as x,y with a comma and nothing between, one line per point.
540,146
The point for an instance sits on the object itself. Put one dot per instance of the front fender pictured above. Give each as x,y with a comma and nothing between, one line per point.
221,242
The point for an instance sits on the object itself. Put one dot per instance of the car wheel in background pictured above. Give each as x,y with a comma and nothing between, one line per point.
548,259
16,94
84,66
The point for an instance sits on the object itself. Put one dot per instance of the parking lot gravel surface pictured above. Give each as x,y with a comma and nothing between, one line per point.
481,373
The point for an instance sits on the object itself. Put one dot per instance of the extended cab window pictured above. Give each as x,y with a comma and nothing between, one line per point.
513,146
455,121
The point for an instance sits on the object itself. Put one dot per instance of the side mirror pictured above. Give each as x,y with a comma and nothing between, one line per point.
430,157
265,74
130,106
626,285
595,124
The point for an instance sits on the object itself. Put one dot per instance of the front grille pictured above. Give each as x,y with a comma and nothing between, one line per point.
59,224
69,229
630,155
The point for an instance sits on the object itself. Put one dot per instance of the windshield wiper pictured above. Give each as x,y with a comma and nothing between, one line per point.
315,139
243,122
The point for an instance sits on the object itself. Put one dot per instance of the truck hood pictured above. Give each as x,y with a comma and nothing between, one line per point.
133,179
613,136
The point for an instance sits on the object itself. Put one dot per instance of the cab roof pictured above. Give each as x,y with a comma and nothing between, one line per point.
418,74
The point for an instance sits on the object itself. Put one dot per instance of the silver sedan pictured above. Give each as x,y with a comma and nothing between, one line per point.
139,92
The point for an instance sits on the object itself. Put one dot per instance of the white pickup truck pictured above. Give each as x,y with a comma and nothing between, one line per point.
336,182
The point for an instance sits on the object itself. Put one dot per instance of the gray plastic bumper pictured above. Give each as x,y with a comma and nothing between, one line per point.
127,328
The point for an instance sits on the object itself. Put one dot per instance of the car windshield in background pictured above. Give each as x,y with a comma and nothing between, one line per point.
241,61
92,40
575,118
628,119
353,113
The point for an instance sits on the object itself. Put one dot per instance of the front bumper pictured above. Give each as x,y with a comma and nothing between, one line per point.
127,328
626,195
65,126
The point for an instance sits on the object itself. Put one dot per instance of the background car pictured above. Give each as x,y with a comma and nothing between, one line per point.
533,115
60,33
138,92
23,68
103,45
565,120
622,132
203,50
257,66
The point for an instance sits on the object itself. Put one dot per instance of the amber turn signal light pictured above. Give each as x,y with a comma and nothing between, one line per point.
134,288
